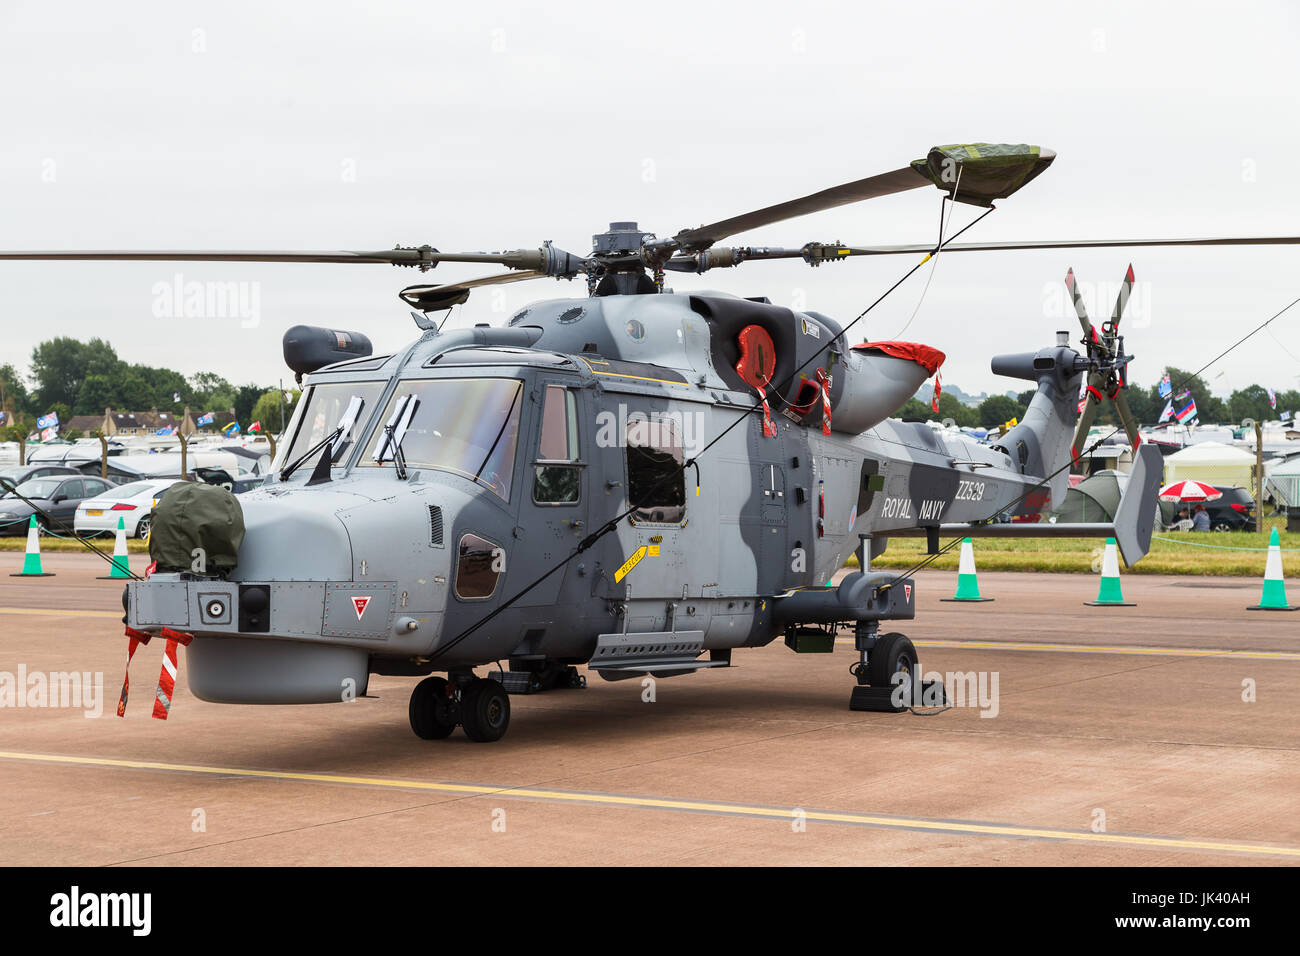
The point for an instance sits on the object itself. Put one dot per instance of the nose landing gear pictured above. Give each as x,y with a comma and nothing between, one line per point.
480,706
889,674
433,710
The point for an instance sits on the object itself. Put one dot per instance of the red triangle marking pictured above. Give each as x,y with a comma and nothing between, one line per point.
359,602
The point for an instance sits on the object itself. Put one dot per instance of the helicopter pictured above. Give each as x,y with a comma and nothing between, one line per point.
637,480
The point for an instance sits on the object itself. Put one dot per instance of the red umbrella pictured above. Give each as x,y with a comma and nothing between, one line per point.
1189,491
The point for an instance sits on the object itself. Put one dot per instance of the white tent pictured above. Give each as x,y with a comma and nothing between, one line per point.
1283,483
1212,463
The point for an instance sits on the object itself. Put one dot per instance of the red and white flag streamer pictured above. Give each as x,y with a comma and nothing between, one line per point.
136,639
162,704
824,381
769,428
938,390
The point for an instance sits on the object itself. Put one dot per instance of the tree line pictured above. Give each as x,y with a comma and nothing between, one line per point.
70,377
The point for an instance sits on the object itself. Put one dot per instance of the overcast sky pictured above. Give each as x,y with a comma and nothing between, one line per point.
494,125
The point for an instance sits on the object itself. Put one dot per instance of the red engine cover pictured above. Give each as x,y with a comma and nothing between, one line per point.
757,356
923,355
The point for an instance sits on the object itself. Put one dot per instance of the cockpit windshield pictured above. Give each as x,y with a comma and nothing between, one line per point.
466,426
319,415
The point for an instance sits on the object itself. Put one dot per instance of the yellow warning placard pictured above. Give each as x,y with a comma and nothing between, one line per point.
629,564
654,550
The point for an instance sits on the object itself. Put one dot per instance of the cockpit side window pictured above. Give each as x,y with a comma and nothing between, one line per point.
656,481
557,477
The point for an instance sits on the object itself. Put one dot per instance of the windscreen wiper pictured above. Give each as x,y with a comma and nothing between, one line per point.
288,470
390,445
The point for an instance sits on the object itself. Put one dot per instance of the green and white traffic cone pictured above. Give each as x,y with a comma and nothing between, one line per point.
1109,594
32,560
121,566
1274,596
968,587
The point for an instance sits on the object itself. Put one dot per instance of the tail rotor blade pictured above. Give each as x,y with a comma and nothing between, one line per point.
1120,399
1091,400
1089,333
1125,290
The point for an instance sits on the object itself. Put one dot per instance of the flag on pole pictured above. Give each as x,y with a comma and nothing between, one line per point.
48,421
204,419
1166,386
1272,399
49,434
1169,410
255,427
166,431
230,429
1186,410
176,396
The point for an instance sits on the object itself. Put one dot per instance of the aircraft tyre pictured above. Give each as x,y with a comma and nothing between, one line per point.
432,712
484,710
893,653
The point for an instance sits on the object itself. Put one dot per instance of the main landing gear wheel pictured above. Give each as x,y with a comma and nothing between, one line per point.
432,711
484,710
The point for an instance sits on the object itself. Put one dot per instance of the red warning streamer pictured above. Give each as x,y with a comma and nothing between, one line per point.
769,429
824,381
137,638
162,704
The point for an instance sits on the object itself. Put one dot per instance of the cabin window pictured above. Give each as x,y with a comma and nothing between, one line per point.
656,481
555,481
478,567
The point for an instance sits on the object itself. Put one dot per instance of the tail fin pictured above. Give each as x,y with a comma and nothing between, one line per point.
1136,515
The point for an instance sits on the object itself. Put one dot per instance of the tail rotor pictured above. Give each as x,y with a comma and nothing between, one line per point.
1107,364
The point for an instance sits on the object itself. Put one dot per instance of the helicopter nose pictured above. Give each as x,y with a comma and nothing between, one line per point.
294,537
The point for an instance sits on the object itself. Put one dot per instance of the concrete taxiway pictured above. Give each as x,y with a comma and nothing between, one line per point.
1121,735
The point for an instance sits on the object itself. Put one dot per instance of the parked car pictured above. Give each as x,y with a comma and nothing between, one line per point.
1234,511
57,496
133,503
235,484
16,474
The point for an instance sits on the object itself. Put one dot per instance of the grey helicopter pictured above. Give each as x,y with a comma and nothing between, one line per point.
637,480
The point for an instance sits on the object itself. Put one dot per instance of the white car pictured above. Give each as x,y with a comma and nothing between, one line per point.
132,502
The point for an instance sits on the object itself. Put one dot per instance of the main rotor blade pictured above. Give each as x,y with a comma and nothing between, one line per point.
900,180
815,253
974,173
1068,244
425,257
